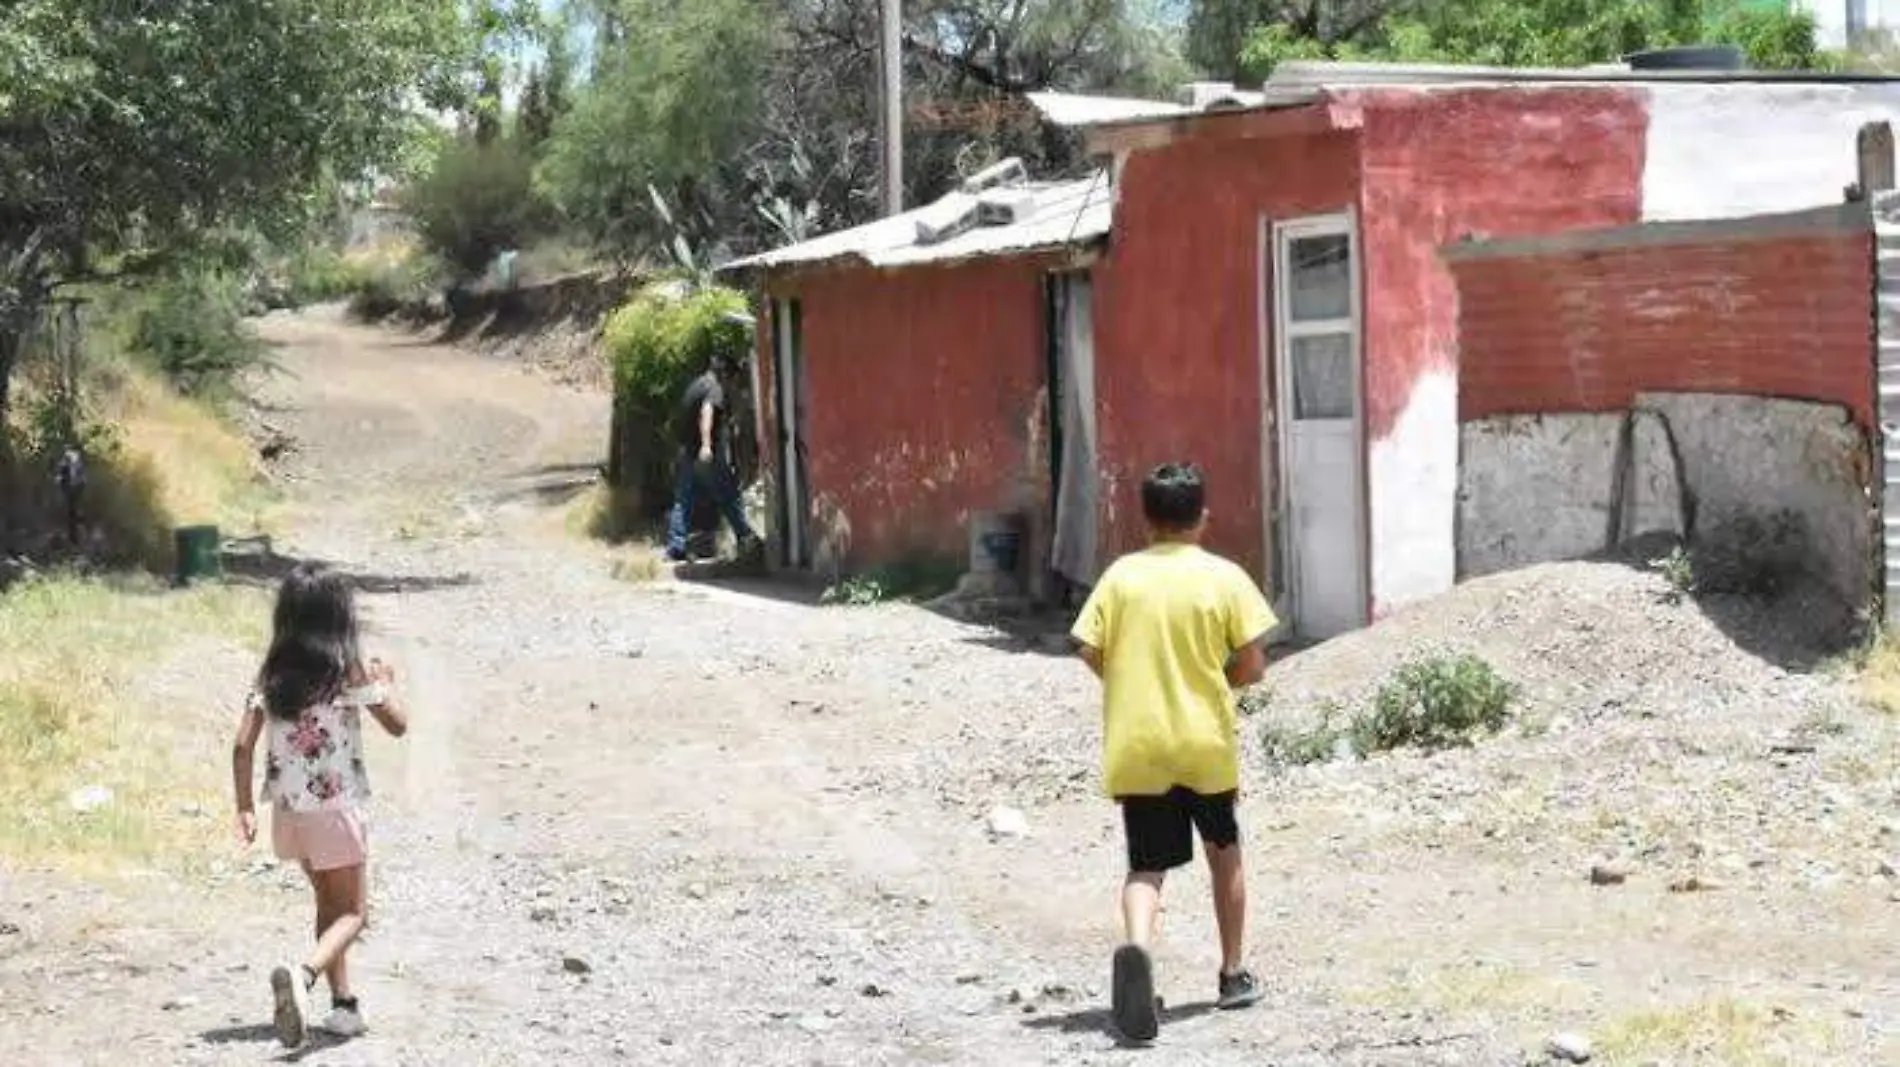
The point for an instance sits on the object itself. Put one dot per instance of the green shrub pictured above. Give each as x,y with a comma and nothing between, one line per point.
918,579
1289,745
388,285
476,202
190,327
658,343
1435,703
319,274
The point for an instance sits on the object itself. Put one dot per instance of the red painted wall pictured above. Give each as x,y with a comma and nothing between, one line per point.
925,398
1586,331
1503,162
1177,328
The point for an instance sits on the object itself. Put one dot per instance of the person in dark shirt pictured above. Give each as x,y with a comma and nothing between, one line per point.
704,460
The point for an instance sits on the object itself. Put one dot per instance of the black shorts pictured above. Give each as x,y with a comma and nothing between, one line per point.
1161,829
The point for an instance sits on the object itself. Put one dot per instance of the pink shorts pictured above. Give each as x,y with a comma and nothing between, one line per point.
326,840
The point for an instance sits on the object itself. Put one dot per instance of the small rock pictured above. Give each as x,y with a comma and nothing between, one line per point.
873,990
827,980
1694,883
1569,1048
575,965
1609,874
90,798
192,811
698,891
542,913
1005,823
9,929
1886,869
834,1012
970,978
180,1003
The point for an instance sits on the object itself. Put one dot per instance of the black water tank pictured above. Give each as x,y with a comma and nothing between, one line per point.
1689,57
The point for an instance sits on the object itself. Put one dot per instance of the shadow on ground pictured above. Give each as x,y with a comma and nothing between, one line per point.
259,1034
256,563
1098,1021
1782,616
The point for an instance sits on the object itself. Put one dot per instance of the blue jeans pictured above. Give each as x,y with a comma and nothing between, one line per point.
686,486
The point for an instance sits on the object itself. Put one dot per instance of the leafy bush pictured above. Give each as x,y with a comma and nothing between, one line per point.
1435,703
190,327
319,274
657,344
391,281
477,201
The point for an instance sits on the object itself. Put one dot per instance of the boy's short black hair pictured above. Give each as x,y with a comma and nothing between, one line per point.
1174,496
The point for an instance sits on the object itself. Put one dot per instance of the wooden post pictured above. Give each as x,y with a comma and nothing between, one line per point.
1875,149
891,97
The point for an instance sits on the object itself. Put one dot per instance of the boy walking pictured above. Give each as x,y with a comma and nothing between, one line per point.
1172,630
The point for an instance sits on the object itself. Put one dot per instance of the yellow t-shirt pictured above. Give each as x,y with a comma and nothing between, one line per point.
1166,619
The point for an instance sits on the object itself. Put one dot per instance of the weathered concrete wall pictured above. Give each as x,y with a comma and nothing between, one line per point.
1748,458
1729,150
1564,486
1439,165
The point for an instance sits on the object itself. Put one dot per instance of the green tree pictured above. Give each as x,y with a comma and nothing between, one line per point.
674,108
127,130
1542,33
477,202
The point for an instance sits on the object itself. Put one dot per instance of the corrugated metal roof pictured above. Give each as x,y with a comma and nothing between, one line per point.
1071,109
1064,213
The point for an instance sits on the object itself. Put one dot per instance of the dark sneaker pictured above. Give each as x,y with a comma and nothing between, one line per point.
1132,997
1239,990
290,996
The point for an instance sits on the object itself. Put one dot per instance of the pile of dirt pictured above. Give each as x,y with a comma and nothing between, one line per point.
1589,639
1707,741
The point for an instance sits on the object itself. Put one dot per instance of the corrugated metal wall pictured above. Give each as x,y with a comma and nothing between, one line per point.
1886,207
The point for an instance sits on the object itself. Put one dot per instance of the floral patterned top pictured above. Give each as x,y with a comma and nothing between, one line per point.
315,761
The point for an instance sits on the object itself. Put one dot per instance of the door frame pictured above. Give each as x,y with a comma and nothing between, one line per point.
1276,405
788,380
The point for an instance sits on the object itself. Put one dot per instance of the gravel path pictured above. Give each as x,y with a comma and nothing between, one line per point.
674,824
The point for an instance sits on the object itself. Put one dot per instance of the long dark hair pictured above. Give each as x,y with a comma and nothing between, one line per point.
313,647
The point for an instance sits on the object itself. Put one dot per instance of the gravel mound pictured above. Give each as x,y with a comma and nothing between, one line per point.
1585,640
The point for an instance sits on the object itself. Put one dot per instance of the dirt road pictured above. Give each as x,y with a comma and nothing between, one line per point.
666,824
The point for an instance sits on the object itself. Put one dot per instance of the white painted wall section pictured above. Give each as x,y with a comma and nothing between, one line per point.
1835,20
1413,484
1729,150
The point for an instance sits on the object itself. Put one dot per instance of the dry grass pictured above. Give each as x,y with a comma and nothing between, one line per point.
1476,988
69,720
640,564
207,472
602,514
1726,1032
1880,675
76,647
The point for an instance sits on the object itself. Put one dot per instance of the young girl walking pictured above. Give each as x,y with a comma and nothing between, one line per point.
308,704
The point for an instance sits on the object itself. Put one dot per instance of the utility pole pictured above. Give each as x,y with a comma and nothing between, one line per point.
891,101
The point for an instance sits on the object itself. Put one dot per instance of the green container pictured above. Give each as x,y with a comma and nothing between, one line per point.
198,551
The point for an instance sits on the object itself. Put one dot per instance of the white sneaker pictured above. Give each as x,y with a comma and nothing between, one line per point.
345,1022
291,996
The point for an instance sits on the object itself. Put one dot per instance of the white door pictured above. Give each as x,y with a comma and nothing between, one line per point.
1315,328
